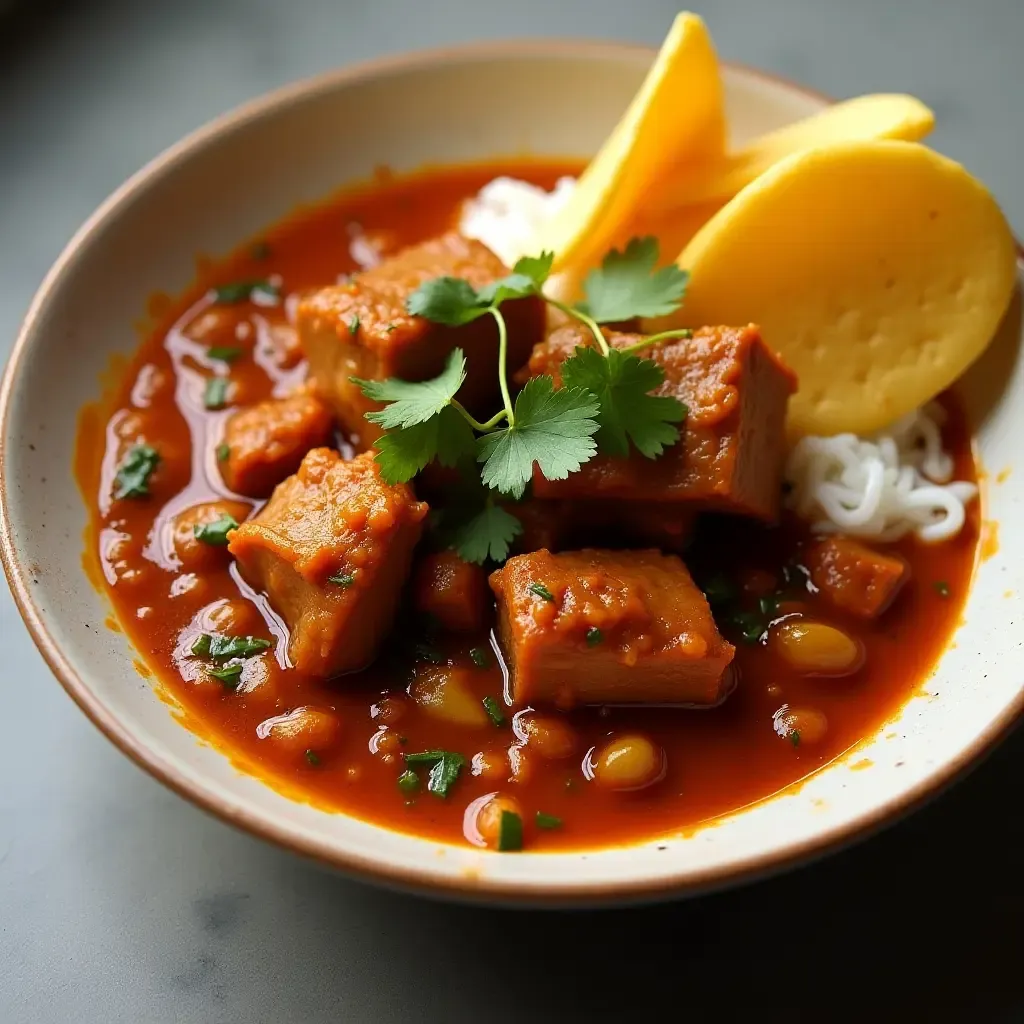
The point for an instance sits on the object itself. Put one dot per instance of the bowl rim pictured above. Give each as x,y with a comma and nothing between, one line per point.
687,881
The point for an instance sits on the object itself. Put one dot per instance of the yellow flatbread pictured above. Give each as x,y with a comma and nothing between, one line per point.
878,270
879,116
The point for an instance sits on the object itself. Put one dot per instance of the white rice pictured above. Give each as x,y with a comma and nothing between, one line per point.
883,487
506,215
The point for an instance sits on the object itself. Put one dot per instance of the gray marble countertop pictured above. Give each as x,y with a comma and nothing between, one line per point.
121,903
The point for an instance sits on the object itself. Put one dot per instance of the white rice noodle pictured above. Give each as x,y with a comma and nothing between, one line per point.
884,487
507,215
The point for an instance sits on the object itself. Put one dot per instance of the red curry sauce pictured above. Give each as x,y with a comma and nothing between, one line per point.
717,760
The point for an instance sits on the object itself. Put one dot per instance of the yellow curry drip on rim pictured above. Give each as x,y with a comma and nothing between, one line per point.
584,777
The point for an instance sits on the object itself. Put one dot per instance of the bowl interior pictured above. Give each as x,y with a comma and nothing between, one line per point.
234,178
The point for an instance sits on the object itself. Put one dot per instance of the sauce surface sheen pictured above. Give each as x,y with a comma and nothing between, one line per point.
717,760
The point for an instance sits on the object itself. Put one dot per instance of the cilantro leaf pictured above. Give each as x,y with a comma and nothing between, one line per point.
220,648
216,533
485,534
622,384
444,773
132,478
446,300
552,428
537,268
404,451
627,285
215,394
412,402
514,286
445,769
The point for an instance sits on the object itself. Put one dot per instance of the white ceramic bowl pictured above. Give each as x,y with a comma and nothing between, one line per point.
243,172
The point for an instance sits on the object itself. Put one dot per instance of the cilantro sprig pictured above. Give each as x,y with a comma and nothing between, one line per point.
605,400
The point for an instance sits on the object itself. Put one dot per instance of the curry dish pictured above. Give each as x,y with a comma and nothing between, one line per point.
610,652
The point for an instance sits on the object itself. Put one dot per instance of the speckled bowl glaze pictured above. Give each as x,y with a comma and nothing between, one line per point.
246,170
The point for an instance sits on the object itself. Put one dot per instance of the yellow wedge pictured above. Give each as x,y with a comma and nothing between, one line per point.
676,117
878,270
882,116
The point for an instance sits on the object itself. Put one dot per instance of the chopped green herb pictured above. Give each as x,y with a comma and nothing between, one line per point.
259,251
547,820
403,740
539,590
242,291
312,758
223,452
510,832
220,648
353,325
390,328
424,757
794,738
769,606
750,625
941,588
494,712
342,579
216,533
480,657
227,674
594,636
444,771
132,479
719,590
215,396
225,353
429,653
408,781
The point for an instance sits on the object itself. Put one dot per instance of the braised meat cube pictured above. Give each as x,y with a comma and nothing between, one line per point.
853,577
556,525
362,329
267,441
730,454
332,549
608,627
454,592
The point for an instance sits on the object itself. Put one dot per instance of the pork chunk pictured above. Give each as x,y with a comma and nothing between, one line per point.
854,578
332,550
362,329
730,455
608,627
266,442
